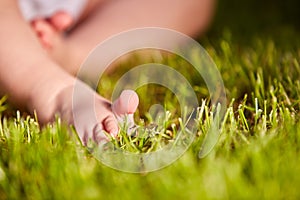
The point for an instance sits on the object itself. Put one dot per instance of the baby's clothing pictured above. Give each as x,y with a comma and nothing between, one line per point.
32,9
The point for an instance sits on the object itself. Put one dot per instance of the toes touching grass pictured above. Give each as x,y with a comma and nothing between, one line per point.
257,153
256,156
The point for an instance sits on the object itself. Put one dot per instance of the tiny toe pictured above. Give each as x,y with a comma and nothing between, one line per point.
43,31
127,103
98,134
41,26
111,125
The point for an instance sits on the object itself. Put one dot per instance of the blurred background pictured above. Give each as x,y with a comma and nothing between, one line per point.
249,18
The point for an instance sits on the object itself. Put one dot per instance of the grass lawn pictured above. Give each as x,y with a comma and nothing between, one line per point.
258,152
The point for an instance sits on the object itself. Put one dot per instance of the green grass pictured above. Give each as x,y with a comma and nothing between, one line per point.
257,155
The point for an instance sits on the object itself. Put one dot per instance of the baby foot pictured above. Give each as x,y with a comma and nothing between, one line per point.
50,33
50,29
92,114
123,108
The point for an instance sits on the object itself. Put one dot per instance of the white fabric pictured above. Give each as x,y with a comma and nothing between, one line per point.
32,9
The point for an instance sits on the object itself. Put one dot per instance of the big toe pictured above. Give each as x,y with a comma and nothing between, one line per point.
127,103
61,20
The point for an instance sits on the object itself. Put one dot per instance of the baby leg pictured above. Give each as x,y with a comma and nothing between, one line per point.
46,88
191,17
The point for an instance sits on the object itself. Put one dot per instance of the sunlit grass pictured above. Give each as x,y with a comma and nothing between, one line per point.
257,155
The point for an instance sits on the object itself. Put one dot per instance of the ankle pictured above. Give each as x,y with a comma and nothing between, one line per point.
44,96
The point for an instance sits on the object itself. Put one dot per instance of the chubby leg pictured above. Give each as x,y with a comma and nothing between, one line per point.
123,108
34,82
191,17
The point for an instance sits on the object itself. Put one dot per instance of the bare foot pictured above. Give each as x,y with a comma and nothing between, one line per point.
50,30
92,114
50,33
